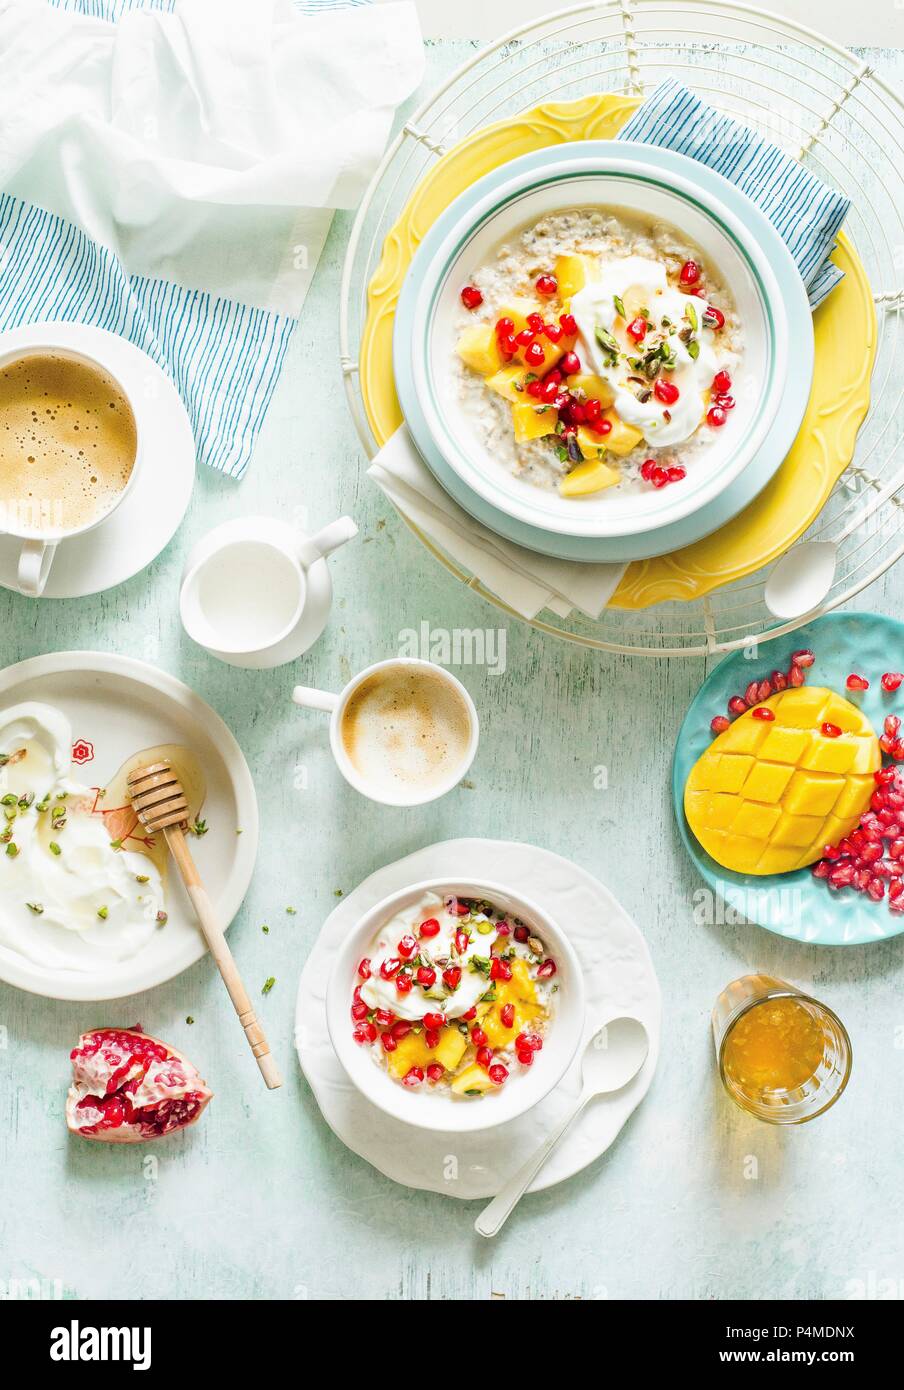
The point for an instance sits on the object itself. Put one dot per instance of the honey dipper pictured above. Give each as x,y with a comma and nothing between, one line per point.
160,805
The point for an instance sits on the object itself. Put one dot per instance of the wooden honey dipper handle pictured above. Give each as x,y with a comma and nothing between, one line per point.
160,804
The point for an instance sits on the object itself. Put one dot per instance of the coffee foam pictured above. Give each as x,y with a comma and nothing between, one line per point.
68,442
405,728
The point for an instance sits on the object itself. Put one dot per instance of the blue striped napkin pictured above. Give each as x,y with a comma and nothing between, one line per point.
220,322
807,214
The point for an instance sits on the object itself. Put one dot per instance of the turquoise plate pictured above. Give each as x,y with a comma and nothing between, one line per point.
411,336
798,905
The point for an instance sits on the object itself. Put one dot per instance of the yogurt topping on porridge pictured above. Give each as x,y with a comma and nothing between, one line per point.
454,994
597,351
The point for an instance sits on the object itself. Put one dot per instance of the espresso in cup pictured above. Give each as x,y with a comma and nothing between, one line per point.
405,729
68,443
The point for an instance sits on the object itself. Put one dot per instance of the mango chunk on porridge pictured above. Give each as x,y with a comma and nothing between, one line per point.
473,1081
451,1048
509,383
593,387
622,438
517,310
593,475
533,422
572,274
768,795
410,1052
478,349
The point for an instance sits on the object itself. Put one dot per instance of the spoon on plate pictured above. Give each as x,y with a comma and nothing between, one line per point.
612,1058
804,575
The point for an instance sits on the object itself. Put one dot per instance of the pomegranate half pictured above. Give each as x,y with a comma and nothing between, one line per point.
128,1087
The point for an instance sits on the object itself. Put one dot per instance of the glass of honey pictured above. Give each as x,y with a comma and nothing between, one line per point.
782,1056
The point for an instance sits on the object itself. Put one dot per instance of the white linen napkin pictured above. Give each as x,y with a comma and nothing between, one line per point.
526,581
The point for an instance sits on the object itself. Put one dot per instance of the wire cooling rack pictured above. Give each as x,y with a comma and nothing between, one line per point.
818,101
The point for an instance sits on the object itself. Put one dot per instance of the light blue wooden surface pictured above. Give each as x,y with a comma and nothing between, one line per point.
261,1201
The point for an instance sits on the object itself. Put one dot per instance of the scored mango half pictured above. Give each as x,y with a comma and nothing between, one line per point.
767,796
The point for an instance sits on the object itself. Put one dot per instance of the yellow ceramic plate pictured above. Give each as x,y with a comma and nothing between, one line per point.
845,348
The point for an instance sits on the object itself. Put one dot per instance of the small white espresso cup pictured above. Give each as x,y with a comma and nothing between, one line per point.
78,343
336,706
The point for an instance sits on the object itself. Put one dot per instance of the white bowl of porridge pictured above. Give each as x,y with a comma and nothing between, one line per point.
456,1006
596,349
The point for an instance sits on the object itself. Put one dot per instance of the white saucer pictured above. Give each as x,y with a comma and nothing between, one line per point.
117,707
619,978
149,517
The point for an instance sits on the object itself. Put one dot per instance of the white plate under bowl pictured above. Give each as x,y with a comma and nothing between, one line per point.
618,979
148,518
732,235
435,1109
120,706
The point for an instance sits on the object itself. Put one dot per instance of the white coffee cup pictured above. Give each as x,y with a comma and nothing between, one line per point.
39,546
336,706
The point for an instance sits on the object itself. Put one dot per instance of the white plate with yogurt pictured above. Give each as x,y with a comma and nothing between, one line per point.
654,210
86,912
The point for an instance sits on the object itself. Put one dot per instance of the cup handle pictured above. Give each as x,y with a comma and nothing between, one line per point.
329,539
35,559
315,699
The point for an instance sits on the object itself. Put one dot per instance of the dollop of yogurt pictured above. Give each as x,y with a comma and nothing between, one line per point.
68,898
438,952
642,284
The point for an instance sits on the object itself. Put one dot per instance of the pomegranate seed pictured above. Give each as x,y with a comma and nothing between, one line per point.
676,473
432,1037
535,388
752,693
842,875
884,776
647,469
383,1017
546,285
434,1020
830,730
779,680
726,402
521,933
426,976
855,682
404,982
570,364
525,338
665,391
484,1057
737,704
637,330
803,658
407,947
478,1037
896,889
716,416
500,969
389,967
892,680
763,712
553,331
498,1074
547,970
429,928
359,1036
876,890
505,328
896,848
388,1041
764,690
593,409
604,427
400,1029
796,676
721,383
569,324
452,977
897,750
413,1077
507,346
892,725
503,929
359,1011
821,870
660,478
364,968
871,854
472,1013
719,724
534,355
435,1073
462,941
471,297
690,273
877,800
535,323
507,1014
719,317
525,1058
832,852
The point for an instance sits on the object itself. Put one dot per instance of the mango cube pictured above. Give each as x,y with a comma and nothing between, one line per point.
410,1052
533,421
590,476
622,438
509,383
478,349
593,387
572,273
451,1047
473,1081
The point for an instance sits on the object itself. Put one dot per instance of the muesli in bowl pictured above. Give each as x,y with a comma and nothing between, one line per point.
455,1005
596,349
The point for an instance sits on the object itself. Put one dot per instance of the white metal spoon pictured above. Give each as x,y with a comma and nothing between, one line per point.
804,575
612,1058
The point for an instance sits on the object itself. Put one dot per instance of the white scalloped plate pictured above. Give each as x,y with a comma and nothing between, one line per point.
619,978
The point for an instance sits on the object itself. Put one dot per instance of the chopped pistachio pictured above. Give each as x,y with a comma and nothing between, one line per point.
189,1019
37,908
619,305
161,919
58,813
199,828
268,984
103,913
12,850
265,930
54,848
291,911
142,878
9,800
